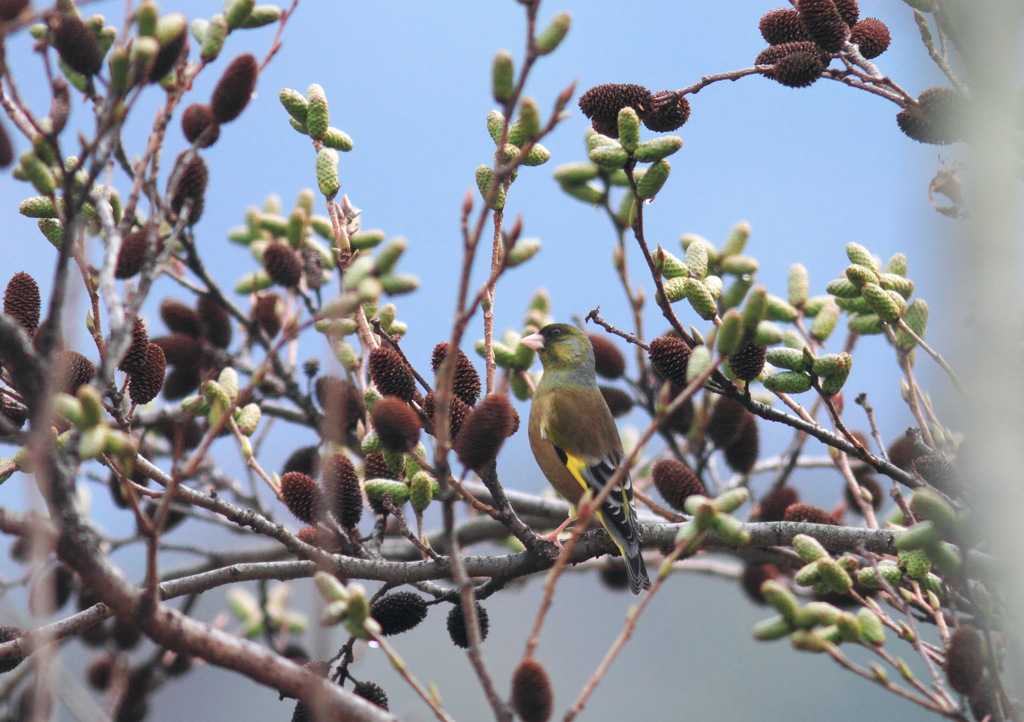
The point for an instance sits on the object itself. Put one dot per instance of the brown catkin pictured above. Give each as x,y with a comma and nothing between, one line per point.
138,352
669,356
179,318
72,369
168,56
372,693
180,349
181,382
669,112
781,26
754,575
189,184
457,625
965,659
283,264
76,45
305,459
267,312
457,413
302,496
680,420
397,423
748,362
726,422
390,374
676,482
608,360
374,467
215,321
6,148
602,104
341,490
532,697
22,301
772,55
797,70
234,88
484,432
619,402
466,384
849,11
398,612
342,405
867,479
774,505
132,256
809,514
144,385
823,23
871,36
741,455
195,121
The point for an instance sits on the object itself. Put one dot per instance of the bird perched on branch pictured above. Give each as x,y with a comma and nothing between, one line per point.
576,442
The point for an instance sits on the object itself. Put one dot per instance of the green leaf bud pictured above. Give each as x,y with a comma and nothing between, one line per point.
214,35
146,15
675,289
700,361
93,441
825,322
779,309
671,266
523,251
338,139
484,182
859,275
538,155
395,461
629,129
296,105
365,240
421,490
528,122
327,172
854,305
388,256
897,265
502,76
737,291
809,640
730,333
247,419
553,34
39,207
843,287
252,282
714,285
396,284
730,530
787,382
945,558
661,147
859,255
495,125
262,15
833,574
71,409
768,630
833,383
885,306
700,298
797,284
868,576
237,12
587,192
575,173
787,358
808,575
655,177
755,309
736,241
815,304
767,334
872,631
809,548
916,317
37,172
53,231
697,259
731,500
915,561
297,126
930,505
831,363
865,324
739,265
780,597
894,282
609,156
318,115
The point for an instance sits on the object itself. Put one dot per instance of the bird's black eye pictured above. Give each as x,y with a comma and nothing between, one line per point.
556,332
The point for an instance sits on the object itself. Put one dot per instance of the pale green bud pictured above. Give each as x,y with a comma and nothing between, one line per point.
39,207
214,35
528,122
787,382
865,324
587,192
731,500
739,265
52,229
237,11
377,488
421,490
700,361
736,292
854,305
825,321
553,34
248,418
296,105
522,251
262,15
338,139
781,598
787,358
860,255
736,241
318,115
872,631
93,441
502,77
654,150
575,173
769,630
365,240
859,275
809,548
655,177
894,282
697,259
843,288
897,265
779,309
916,562
609,156
495,125
884,305
538,155
629,129
395,284
327,172
730,333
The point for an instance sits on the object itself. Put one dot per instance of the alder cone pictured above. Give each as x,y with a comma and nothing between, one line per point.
774,505
341,490
22,301
132,256
532,697
76,45
144,385
282,264
390,374
194,122
235,88
484,432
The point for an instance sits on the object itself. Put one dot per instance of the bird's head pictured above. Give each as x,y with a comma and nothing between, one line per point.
561,346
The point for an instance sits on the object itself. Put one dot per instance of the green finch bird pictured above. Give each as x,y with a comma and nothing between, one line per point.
576,442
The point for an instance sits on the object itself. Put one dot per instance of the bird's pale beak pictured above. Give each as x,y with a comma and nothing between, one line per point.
534,341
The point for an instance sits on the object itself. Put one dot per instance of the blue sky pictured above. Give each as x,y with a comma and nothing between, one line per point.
811,170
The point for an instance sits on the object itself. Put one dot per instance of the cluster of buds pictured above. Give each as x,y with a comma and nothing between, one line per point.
310,115
874,296
346,605
714,514
511,355
85,412
250,613
930,542
219,397
238,14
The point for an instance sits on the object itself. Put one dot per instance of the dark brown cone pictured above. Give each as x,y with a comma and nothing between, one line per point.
312,268
781,26
138,352
680,420
619,402
375,467
614,574
72,369
823,24
903,452
125,633
267,313
871,36
342,405
602,104
372,693
608,360
181,382
982,699
234,88
132,256
168,55
305,459
77,46
99,672
9,634
183,430
754,575
303,713
397,423
6,148
532,697
195,121
865,476
774,505
282,264
797,70
467,380
190,185
320,538
849,11
748,362
773,54
22,301
515,422
676,482
10,9
302,496
398,612
669,356
180,350
727,422
179,318
214,321
341,490
457,625
965,659
145,385
809,514
668,113
943,475
390,374
484,432
741,455
457,413
935,120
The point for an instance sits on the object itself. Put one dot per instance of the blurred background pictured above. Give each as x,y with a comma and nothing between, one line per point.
810,169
